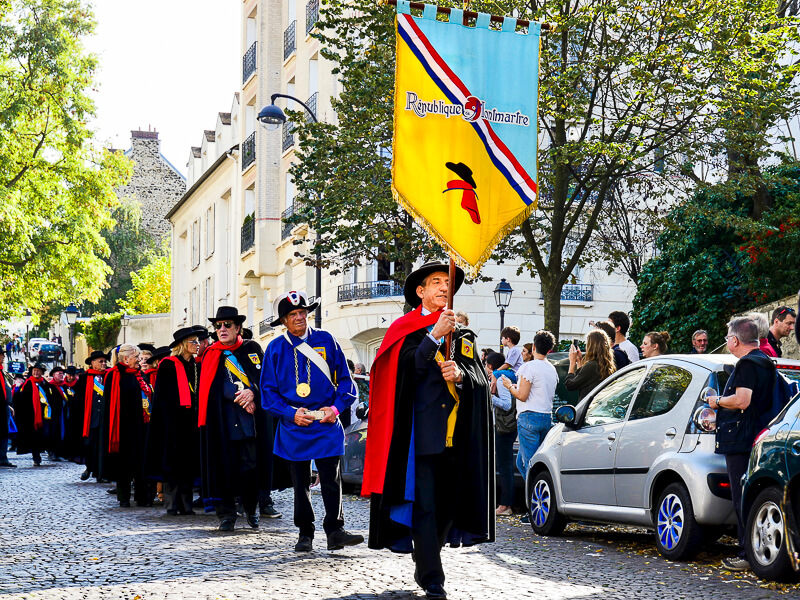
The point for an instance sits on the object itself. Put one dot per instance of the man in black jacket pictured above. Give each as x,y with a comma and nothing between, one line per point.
6,410
744,409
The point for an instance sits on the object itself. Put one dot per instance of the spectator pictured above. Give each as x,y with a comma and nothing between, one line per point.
505,430
485,352
462,318
536,387
760,319
586,372
527,352
509,337
622,323
783,320
361,405
743,407
655,344
699,342
620,358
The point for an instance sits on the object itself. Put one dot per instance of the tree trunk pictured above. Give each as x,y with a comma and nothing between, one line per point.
551,293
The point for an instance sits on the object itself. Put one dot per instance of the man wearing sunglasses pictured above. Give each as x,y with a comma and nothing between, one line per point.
235,432
783,321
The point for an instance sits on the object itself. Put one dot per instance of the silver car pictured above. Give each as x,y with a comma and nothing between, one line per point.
639,450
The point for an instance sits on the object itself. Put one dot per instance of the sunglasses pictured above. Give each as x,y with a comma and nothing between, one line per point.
225,324
193,342
786,310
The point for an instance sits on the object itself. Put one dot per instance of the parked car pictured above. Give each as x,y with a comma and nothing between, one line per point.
771,493
47,352
33,345
639,450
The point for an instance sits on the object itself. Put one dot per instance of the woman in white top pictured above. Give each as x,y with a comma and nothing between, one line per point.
534,392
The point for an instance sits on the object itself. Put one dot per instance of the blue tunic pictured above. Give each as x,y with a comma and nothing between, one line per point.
279,395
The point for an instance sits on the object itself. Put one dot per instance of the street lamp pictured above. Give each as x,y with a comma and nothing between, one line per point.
502,298
27,318
272,117
71,313
125,320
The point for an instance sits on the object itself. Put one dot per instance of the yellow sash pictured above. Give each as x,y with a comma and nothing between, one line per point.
235,370
451,420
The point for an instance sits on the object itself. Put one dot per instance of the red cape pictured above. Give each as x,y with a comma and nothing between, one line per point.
382,397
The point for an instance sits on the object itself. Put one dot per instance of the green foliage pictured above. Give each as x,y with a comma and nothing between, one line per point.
714,261
56,188
101,331
151,288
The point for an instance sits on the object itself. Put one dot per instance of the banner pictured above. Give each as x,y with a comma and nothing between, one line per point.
465,129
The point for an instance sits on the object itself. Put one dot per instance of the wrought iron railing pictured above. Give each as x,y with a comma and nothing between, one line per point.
249,151
265,326
311,103
286,228
289,42
312,14
248,235
368,290
288,136
249,62
581,292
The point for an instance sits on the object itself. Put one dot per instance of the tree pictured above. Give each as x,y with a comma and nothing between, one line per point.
151,286
56,188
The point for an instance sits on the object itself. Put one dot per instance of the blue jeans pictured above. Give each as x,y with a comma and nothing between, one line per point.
531,427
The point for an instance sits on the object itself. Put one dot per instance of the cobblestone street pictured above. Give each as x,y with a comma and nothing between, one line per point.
64,539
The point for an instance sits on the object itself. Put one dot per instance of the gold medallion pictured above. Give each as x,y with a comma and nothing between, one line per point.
303,390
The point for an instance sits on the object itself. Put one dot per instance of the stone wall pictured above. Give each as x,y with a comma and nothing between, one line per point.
155,184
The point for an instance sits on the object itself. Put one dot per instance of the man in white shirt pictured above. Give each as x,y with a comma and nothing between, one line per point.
622,323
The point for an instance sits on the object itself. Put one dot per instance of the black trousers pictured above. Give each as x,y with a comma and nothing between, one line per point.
504,456
430,518
177,495
330,480
143,490
90,450
245,470
737,466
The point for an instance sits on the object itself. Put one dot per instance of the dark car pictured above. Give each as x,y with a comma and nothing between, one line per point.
49,353
771,492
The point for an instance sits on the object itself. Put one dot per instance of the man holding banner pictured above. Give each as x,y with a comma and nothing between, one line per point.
429,465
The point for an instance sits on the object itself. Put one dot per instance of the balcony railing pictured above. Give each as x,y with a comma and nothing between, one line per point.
579,292
248,235
289,42
369,290
288,136
286,228
312,14
265,326
249,62
249,151
312,105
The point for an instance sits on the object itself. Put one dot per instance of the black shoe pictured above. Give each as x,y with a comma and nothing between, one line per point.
270,512
85,475
8,465
186,512
227,525
435,590
111,490
172,512
252,520
340,538
303,544
197,503
525,519
37,464
124,504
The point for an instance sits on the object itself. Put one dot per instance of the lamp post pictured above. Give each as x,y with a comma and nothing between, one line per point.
27,318
272,117
125,320
502,298
71,313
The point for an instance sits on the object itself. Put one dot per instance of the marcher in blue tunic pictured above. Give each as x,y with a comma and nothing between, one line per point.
306,383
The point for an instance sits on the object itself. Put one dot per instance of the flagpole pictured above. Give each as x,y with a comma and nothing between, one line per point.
451,286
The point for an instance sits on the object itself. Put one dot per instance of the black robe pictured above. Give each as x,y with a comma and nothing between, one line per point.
128,463
471,498
29,439
173,439
216,446
73,438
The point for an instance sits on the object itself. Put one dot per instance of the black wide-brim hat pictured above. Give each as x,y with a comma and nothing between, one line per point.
228,313
71,370
147,348
39,366
161,352
182,334
286,303
462,171
415,279
56,369
95,355
202,332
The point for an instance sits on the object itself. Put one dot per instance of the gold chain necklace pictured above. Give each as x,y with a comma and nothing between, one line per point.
302,389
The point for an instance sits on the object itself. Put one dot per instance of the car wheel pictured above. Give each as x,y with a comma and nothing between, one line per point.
764,538
542,511
678,535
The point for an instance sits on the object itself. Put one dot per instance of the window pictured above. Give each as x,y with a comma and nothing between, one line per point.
661,391
209,296
610,404
196,244
194,308
210,229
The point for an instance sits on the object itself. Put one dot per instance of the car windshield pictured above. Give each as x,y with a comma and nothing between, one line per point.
790,371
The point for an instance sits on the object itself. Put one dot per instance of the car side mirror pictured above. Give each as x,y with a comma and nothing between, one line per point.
566,414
